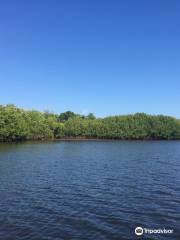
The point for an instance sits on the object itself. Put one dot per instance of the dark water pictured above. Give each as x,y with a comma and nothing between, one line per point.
89,190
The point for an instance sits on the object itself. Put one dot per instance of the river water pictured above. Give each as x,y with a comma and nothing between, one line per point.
96,190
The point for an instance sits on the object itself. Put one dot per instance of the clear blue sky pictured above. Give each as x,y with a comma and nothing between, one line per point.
102,56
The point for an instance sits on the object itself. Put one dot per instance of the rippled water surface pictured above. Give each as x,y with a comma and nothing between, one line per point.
89,189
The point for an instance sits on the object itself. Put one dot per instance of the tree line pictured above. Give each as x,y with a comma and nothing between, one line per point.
18,124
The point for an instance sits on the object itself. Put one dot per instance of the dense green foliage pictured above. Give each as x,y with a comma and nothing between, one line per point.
18,124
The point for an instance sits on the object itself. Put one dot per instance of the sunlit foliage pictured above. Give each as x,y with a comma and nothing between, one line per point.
18,124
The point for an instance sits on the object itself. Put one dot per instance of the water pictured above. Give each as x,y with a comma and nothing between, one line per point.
99,190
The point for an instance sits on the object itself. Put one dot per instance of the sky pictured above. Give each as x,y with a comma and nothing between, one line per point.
108,57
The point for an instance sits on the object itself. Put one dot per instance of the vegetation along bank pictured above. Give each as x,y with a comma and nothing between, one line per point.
18,124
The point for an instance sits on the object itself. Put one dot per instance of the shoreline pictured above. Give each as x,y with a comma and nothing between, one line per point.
84,139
